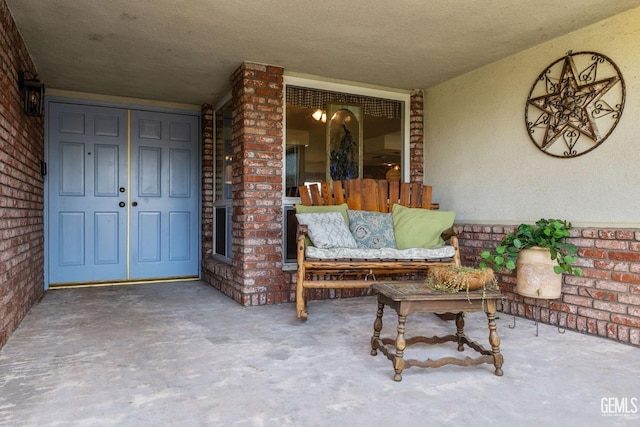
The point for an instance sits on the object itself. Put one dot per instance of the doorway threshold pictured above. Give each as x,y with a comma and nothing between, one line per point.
122,282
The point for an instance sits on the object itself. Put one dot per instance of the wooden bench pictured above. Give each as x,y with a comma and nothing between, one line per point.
360,194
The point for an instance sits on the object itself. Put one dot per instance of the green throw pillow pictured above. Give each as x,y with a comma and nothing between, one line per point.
301,209
420,228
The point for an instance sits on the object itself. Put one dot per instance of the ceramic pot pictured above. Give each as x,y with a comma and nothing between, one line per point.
535,277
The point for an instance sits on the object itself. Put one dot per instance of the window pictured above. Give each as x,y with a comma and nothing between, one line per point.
222,182
376,121
319,122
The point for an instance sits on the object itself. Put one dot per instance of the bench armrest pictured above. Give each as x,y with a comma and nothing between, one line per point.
301,232
301,239
447,234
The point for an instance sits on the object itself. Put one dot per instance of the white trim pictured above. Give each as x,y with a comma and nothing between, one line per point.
406,145
354,88
226,98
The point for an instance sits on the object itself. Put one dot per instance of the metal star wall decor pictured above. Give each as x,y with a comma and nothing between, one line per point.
575,104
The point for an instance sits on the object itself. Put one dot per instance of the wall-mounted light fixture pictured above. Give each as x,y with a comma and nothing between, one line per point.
33,93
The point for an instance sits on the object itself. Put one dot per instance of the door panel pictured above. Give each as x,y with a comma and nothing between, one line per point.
101,230
71,238
106,227
179,226
106,177
180,173
87,165
148,237
72,171
149,172
164,201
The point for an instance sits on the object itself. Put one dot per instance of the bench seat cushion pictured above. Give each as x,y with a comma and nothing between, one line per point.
312,252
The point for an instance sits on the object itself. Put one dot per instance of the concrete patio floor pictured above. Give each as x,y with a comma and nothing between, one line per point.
183,354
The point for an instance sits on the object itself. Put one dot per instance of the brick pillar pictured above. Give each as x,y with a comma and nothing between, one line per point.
257,92
206,121
416,137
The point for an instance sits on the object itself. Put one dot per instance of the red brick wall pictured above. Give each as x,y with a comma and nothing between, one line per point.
604,302
416,138
21,186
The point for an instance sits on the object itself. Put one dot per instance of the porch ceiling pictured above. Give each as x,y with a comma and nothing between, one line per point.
184,51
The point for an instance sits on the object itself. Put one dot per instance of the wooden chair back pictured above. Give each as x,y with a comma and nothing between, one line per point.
377,195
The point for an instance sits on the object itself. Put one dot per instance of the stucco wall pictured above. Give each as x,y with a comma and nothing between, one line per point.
482,164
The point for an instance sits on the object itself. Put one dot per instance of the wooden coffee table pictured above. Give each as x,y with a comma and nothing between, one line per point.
414,297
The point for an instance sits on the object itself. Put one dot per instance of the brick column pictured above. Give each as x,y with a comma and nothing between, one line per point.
257,92
416,137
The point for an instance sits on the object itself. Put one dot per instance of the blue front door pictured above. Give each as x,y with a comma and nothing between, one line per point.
164,195
123,194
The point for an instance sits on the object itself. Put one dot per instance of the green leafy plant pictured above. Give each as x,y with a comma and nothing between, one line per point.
546,233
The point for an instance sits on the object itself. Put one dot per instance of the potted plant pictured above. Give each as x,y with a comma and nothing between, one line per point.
539,254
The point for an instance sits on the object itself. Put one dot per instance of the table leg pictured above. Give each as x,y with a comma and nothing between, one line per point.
398,360
377,327
494,339
460,330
